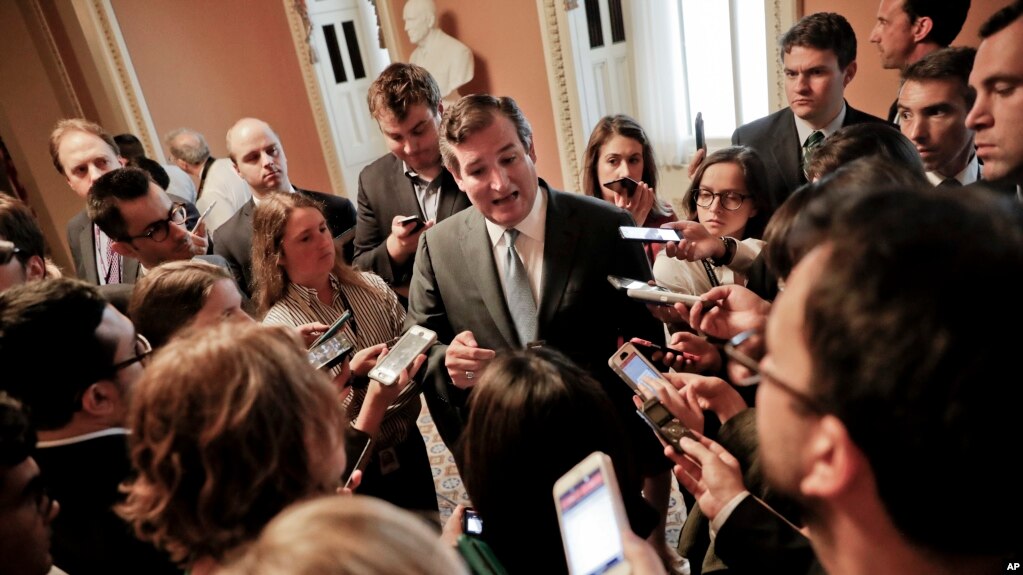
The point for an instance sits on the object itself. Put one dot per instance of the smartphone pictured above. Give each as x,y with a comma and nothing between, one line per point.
343,238
664,424
415,341
622,186
649,348
636,370
202,218
658,294
334,327
659,235
472,523
419,223
330,352
701,138
592,517
625,283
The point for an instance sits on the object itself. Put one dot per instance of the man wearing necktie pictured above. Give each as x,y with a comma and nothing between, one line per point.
527,266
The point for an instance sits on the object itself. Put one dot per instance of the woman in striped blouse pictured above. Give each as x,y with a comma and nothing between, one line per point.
301,278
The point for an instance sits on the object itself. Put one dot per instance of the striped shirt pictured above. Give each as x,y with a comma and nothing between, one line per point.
377,317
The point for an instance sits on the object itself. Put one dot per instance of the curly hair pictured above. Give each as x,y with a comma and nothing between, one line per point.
229,426
268,225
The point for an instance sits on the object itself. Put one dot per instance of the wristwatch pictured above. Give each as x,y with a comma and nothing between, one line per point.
730,246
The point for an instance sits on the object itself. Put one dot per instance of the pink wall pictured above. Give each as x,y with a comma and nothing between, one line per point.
508,49
205,64
874,88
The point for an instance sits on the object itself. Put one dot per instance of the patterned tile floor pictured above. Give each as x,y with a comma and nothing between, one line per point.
451,492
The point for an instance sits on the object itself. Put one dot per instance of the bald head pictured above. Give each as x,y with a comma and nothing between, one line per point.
258,157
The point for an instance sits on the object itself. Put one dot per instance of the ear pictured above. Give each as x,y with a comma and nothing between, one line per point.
532,151
124,248
921,28
35,268
833,460
440,108
850,73
103,399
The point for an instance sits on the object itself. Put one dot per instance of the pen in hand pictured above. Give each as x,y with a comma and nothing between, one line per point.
203,216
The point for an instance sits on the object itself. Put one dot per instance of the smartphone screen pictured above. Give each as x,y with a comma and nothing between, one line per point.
472,523
415,341
626,283
588,525
330,352
640,374
649,234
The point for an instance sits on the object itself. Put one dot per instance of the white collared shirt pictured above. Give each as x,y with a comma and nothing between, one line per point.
529,244
971,173
804,129
427,192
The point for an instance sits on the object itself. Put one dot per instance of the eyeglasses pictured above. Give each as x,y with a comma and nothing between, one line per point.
729,200
7,251
731,349
143,349
158,231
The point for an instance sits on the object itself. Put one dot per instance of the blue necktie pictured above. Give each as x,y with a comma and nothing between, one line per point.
517,291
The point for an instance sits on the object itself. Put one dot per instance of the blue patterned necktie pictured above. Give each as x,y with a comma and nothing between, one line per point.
517,291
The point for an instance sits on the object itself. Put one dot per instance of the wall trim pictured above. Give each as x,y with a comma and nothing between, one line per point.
56,60
564,95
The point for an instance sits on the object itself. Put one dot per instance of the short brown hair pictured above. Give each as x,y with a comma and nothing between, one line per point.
953,64
822,31
64,127
170,295
401,86
473,113
227,426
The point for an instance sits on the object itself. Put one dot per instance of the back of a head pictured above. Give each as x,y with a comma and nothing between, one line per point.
917,377
130,146
229,425
169,296
50,348
534,414
947,17
117,185
17,438
473,113
18,225
861,141
401,86
347,536
822,31
187,145
156,172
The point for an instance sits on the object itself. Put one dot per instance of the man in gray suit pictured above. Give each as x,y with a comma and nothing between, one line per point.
528,265
409,181
819,58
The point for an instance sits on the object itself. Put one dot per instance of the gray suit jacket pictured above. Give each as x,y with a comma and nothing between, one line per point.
233,240
385,192
81,239
456,287
774,137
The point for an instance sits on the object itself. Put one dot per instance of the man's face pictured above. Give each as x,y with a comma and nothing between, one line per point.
498,173
997,115
223,303
260,159
814,84
783,422
413,140
85,157
142,215
417,21
12,273
25,516
893,34
932,113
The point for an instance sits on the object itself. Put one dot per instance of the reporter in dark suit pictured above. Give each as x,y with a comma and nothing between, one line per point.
409,181
819,57
258,157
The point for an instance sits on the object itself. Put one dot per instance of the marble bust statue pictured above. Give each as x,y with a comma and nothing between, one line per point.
448,60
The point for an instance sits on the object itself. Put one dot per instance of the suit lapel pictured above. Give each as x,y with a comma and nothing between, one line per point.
479,259
449,194
786,153
87,239
560,239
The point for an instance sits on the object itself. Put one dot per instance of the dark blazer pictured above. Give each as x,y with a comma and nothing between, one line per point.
456,287
774,137
385,192
82,240
233,240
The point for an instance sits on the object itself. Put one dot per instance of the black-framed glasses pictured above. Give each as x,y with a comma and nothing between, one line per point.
7,251
760,375
143,349
730,201
158,231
